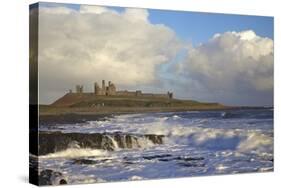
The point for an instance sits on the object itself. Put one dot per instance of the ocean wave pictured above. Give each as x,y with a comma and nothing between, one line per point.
136,178
256,141
216,139
216,133
75,152
190,132
176,117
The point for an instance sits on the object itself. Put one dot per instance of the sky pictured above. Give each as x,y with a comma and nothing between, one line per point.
202,56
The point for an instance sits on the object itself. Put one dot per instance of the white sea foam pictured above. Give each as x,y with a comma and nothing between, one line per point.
176,117
221,167
75,152
135,178
189,132
210,138
184,130
256,141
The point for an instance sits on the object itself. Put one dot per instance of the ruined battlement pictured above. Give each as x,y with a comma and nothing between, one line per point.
110,90
79,89
105,90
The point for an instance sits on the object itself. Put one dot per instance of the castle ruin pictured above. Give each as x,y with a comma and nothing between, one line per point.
79,89
110,90
105,90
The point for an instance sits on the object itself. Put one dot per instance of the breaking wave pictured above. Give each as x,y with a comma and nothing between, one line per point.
75,152
208,130
216,139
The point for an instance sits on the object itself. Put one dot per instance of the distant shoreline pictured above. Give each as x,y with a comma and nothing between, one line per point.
50,115
50,110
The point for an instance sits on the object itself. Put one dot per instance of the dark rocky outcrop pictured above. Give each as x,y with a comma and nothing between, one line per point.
51,142
184,161
50,177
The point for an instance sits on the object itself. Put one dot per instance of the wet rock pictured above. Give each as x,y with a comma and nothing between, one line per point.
184,158
88,161
187,161
157,156
51,142
50,177
157,139
84,161
191,164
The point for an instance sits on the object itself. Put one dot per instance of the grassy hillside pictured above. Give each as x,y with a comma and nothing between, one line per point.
90,100
88,103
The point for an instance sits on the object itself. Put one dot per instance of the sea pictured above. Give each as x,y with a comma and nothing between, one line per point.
147,146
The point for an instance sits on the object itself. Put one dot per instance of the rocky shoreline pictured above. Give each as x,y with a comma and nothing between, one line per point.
51,142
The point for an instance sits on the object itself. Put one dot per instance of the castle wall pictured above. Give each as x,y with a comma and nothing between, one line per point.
152,95
110,90
140,94
125,93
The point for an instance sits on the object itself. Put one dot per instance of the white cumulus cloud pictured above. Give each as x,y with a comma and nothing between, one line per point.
88,9
233,67
94,43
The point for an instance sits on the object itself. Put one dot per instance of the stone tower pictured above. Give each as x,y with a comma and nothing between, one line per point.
98,90
170,95
110,89
79,88
103,87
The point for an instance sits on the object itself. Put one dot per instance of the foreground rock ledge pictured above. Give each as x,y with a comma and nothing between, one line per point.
51,142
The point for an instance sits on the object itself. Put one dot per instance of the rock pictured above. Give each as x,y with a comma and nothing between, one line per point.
50,177
51,142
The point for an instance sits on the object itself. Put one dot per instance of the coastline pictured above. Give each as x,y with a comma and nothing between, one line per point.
62,115
50,115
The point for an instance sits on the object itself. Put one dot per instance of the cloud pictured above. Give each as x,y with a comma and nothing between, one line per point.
86,9
232,67
135,14
94,43
57,10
